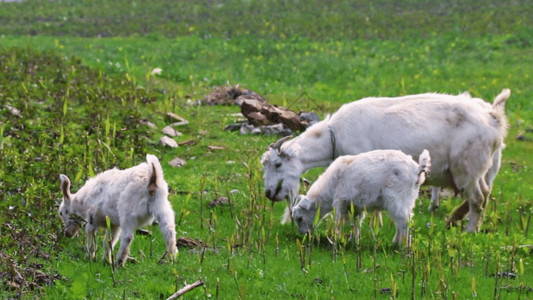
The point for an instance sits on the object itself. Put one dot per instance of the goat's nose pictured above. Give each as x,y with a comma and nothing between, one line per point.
267,193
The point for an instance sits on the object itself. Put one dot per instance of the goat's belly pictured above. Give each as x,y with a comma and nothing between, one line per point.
444,180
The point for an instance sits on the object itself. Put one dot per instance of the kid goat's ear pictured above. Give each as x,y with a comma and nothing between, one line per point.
65,186
306,205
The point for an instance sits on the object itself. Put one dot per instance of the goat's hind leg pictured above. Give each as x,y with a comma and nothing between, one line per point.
476,202
109,243
126,237
164,214
457,214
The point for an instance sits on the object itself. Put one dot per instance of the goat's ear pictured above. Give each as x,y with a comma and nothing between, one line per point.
304,203
65,186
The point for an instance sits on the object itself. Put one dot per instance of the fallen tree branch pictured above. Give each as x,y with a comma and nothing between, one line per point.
186,289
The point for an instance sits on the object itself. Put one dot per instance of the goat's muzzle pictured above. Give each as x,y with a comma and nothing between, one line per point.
69,232
273,197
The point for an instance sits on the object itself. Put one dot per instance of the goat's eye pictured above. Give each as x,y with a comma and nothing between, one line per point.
278,165
299,220
60,213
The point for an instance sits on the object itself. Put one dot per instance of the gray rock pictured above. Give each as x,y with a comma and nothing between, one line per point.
246,128
310,117
273,129
166,141
233,127
177,162
149,124
170,131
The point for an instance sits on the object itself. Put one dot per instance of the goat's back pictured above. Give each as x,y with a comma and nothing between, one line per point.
450,127
366,177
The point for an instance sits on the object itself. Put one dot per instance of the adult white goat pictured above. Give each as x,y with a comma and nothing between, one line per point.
464,135
131,198
376,180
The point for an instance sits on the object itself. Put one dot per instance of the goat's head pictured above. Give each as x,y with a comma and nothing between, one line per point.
304,214
282,171
72,222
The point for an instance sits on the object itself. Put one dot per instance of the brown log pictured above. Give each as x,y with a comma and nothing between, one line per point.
186,289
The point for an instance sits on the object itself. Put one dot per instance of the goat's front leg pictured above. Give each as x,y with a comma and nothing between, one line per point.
90,229
401,236
358,218
435,190
341,215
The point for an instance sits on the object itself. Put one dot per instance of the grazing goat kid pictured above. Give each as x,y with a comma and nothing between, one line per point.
376,180
131,198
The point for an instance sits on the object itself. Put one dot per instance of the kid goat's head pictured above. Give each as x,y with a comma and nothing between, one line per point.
71,221
304,214
281,172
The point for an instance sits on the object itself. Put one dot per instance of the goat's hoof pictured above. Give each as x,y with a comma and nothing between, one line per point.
451,223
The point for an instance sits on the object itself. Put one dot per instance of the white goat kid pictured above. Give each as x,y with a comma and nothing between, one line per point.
464,135
131,198
376,180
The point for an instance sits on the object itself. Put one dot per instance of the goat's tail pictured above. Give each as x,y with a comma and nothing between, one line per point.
424,165
156,178
499,103
65,186
498,112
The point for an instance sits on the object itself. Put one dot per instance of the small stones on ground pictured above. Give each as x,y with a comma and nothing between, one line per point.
508,275
245,128
212,147
175,117
149,124
177,162
188,143
218,201
166,141
233,127
170,131
14,111
522,137
318,281
191,102
310,117
185,242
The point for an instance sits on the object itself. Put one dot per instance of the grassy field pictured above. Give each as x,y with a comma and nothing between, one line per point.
79,74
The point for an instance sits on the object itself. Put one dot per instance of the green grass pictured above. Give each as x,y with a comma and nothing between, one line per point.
80,115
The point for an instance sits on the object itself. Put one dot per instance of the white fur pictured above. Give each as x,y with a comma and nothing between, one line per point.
132,198
464,135
376,180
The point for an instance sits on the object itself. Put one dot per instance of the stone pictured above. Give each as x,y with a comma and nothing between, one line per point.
170,131
166,141
177,162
